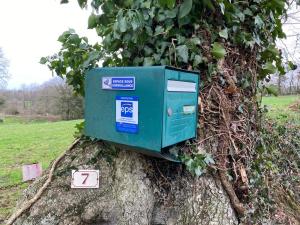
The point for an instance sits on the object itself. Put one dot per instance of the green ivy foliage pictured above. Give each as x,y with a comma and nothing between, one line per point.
197,163
165,32
168,32
276,165
75,57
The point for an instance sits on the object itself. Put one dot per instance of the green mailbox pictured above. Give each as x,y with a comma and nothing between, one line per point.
147,108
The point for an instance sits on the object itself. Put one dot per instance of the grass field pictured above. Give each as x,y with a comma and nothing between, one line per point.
279,108
23,142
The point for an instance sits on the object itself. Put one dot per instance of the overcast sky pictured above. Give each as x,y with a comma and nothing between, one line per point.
29,30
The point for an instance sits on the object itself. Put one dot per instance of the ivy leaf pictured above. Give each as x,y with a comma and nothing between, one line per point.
240,108
189,162
277,4
136,21
241,16
148,51
171,13
269,68
273,51
209,4
93,56
272,90
169,3
122,24
185,8
162,2
258,21
197,60
222,7
63,37
183,52
196,41
224,33
74,38
43,60
198,171
148,61
218,51
146,4
279,67
209,159
107,7
126,3
82,3
159,30
291,66
248,12
92,21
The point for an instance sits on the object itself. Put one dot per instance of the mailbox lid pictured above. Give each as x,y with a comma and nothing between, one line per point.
180,106
100,106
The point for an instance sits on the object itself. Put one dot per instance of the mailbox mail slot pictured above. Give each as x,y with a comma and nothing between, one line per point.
146,108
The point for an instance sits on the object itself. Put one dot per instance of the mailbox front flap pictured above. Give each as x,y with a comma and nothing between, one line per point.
180,108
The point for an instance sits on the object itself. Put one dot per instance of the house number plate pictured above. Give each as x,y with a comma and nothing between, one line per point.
85,179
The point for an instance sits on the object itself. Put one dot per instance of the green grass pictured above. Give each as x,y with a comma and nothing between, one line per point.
8,198
278,108
23,142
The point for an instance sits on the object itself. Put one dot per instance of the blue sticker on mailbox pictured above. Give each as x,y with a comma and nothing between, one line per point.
118,83
127,109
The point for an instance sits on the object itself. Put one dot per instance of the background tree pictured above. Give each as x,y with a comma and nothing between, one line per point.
298,83
2,101
52,100
3,69
68,105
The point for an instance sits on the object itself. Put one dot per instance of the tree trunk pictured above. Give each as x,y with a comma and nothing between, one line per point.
279,84
134,190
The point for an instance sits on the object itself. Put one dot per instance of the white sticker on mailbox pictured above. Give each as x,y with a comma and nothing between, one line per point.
118,83
85,179
127,114
181,86
189,109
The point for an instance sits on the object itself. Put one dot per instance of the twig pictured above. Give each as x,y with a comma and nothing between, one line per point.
205,139
28,204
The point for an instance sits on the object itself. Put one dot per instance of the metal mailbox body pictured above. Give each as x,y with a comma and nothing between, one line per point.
148,108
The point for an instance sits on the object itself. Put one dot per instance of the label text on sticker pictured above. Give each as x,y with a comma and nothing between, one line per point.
118,83
126,109
127,120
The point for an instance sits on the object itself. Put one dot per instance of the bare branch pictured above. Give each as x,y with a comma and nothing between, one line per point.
4,75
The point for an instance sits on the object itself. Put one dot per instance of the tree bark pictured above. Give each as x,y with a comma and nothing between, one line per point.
134,190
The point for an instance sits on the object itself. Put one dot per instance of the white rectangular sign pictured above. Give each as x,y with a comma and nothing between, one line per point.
85,179
181,86
118,83
30,172
189,109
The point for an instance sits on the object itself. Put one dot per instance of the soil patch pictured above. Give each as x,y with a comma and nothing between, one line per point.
295,106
